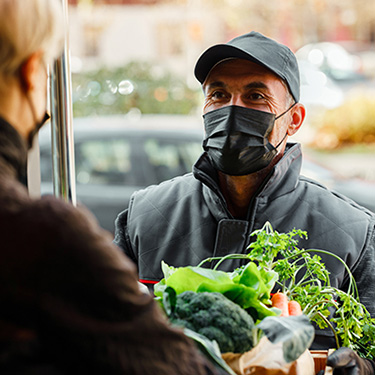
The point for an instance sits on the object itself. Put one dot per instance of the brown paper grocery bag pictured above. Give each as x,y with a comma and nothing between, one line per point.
267,359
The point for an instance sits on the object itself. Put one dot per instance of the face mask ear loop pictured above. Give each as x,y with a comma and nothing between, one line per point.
281,140
286,110
279,117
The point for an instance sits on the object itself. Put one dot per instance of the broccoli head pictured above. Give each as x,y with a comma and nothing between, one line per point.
216,317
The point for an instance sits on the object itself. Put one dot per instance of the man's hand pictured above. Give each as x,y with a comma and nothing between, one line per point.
345,361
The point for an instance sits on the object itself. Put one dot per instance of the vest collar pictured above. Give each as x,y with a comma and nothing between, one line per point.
282,180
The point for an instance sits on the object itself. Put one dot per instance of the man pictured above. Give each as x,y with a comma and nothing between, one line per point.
69,299
248,175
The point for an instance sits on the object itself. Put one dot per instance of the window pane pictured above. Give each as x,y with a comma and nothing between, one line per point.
170,158
103,162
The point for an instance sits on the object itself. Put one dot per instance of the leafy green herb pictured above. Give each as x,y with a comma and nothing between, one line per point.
304,278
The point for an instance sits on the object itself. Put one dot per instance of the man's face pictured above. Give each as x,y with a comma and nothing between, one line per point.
246,84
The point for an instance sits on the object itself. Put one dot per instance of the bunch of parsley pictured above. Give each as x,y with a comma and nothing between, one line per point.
304,278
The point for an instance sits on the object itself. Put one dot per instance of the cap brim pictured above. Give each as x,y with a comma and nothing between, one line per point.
216,54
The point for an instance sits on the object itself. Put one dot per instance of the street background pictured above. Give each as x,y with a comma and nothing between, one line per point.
139,55
135,59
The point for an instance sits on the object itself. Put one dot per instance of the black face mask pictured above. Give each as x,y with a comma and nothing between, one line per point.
237,139
36,129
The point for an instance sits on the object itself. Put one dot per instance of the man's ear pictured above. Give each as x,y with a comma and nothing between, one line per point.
29,71
298,115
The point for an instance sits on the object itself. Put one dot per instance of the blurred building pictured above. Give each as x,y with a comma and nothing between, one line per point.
174,32
112,34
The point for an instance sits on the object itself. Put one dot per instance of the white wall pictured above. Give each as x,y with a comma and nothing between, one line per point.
171,35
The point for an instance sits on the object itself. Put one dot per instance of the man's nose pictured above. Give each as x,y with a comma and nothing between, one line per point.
237,100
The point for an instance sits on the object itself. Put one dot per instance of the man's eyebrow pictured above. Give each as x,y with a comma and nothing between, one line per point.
215,84
252,85
257,85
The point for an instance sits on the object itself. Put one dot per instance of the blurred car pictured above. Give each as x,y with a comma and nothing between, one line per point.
115,156
317,89
335,61
359,190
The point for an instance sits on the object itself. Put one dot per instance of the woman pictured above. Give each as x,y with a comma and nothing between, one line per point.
69,299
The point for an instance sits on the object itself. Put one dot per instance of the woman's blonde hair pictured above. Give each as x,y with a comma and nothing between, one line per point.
28,26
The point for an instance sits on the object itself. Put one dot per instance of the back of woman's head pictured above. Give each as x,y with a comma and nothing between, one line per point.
28,26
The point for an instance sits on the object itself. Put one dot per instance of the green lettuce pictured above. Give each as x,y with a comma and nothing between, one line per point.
248,286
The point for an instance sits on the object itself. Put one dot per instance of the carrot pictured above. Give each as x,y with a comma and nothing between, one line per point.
280,300
294,308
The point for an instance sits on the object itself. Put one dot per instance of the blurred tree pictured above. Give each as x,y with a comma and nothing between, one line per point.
138,85
350,124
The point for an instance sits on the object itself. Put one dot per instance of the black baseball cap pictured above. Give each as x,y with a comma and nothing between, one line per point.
259,49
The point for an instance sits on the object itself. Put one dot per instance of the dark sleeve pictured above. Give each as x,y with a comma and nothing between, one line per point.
93,314
121,236
364,272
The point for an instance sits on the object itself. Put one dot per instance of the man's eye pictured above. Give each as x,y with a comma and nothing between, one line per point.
256,96
217,95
